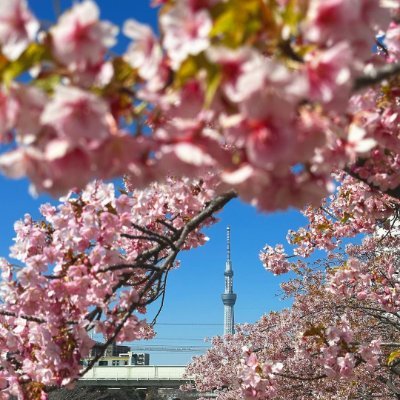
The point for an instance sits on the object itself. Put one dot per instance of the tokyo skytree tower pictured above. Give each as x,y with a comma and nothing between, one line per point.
228,297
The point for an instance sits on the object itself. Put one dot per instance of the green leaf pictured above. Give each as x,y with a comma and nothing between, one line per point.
236,21
212,87
187,70
291,16
323,227
345,218
190,69
296,239
394,355
33,55
213,83
224,22
123,72
315,330
47,83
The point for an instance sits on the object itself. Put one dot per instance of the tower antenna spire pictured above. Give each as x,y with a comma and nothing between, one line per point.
228,243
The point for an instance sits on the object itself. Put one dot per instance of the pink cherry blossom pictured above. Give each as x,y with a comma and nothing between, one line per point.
329,74
7,116
80,38
144,53
357,143
392,40
18,27
77,116
243,70
336,20
29,104
186,31
275,259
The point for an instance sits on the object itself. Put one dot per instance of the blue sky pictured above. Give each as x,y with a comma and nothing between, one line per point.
193,308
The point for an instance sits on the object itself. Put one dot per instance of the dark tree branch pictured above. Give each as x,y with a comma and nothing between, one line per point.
26,317
162,300
168,225
375,76
157,278
395,193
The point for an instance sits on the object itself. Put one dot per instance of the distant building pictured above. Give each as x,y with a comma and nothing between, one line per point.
117,355
140,359
114,350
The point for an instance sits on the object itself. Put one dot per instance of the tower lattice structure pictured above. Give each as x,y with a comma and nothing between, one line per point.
228,297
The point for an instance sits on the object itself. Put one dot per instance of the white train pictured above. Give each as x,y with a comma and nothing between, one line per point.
138,372
123,359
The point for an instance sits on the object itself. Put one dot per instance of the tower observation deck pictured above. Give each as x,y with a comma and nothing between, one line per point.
228,297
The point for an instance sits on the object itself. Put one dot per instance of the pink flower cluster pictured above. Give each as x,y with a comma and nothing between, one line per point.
371,281
355,208
257,380
266,102
77,272
275,259
338,339
65,134
335,357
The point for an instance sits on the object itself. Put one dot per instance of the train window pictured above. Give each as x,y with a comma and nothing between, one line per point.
103,363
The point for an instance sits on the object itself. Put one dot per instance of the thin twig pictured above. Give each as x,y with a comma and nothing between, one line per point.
301,378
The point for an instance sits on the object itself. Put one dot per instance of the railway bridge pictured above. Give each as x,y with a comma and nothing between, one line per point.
142,379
